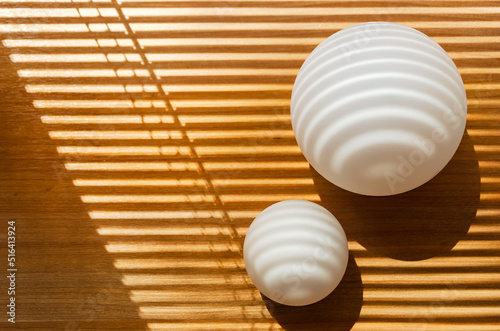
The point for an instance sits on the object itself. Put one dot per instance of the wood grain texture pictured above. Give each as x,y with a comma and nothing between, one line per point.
140,139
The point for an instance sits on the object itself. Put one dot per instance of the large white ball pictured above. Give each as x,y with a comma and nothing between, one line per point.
295,252
378,108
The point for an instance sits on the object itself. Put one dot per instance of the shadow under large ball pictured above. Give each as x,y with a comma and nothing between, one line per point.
339,311
415,225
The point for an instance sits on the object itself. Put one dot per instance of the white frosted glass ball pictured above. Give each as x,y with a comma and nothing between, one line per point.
295,252
378,108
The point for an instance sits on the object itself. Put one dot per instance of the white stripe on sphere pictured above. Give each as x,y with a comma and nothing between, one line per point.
368,97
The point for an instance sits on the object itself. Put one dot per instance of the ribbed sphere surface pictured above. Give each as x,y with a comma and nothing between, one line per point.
378,108
295,252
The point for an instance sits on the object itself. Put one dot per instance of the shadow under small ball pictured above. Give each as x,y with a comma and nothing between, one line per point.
339,311
415,225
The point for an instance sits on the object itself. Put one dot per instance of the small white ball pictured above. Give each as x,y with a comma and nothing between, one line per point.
295,252
378,108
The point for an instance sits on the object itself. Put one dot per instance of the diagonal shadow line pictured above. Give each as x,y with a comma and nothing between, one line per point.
185,139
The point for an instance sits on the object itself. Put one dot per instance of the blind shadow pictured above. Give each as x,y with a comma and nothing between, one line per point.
65,278
170,119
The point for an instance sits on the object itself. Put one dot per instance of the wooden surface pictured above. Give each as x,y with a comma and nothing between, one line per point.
140,139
